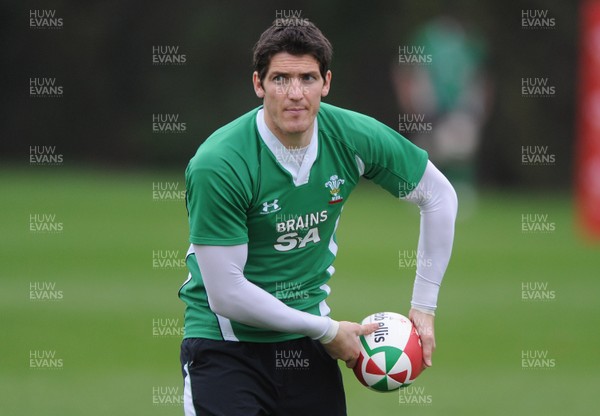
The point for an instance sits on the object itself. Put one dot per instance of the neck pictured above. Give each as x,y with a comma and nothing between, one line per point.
293,140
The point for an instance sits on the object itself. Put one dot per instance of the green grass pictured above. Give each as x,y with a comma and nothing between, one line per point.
102,328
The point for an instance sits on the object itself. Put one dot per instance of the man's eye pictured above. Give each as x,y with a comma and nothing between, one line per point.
308,78
278,78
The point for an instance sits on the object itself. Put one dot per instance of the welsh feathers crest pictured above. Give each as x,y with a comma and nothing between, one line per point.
334,183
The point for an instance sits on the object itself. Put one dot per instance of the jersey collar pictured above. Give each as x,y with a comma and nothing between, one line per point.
300,174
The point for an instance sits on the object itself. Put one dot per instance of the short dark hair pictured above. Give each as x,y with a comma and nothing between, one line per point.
301,39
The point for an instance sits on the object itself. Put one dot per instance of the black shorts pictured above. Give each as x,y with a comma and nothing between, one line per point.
287,378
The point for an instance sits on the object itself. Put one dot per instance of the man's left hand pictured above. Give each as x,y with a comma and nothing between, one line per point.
424,324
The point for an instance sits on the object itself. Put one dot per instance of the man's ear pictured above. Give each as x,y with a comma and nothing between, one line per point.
326,84
258,89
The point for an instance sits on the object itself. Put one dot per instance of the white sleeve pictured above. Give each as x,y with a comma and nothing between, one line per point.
233,296
438,203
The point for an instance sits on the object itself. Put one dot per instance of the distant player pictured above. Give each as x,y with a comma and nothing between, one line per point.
264,196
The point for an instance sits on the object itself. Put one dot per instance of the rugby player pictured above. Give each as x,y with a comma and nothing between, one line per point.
264,195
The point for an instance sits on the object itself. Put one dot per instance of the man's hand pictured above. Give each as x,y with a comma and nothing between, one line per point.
424,324
345,346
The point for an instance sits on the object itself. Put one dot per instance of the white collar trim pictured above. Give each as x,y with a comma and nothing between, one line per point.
300,174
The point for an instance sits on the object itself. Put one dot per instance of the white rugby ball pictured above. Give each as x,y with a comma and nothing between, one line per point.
392,356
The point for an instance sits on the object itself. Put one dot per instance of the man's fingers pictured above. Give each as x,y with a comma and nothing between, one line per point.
424,324
345,345
367,329
351,363
428,347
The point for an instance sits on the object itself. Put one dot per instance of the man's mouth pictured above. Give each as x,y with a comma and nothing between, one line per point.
295,110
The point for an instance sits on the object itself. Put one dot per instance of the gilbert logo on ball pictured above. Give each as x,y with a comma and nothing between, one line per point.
392,356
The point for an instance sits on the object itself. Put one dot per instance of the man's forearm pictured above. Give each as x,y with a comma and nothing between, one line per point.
232,296
438,203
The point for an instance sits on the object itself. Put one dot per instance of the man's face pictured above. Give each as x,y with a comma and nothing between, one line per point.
292,91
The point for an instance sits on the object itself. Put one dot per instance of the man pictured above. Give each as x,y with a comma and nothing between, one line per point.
264,196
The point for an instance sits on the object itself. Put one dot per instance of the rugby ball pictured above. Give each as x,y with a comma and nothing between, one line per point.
392,356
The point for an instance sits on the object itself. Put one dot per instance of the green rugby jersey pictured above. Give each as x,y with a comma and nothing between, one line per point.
238,191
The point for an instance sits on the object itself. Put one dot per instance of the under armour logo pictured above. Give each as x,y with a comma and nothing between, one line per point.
270,207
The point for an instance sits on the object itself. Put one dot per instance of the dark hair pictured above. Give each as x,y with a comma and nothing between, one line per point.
303,38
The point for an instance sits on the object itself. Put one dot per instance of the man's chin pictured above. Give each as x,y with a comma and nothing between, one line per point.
296,128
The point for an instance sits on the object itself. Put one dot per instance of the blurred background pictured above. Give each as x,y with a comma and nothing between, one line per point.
104,103
103,58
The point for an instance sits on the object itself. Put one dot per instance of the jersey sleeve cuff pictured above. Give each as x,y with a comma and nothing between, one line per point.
423,309
331,332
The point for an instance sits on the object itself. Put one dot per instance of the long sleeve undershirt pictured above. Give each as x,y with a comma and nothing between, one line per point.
233,296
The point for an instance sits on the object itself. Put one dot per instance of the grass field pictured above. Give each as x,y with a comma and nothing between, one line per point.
112,334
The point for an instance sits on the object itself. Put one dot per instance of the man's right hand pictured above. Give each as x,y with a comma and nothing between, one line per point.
345,346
